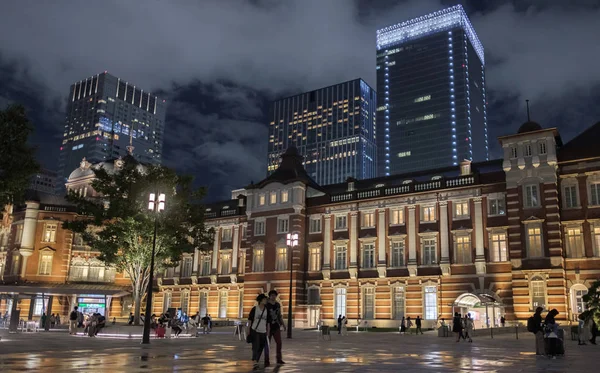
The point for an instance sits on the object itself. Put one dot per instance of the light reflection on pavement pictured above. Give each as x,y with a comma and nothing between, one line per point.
364,352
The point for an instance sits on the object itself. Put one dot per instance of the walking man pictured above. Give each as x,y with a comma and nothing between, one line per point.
418,324
339,324
73,321
274,309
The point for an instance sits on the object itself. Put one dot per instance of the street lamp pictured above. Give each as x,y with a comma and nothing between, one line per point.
292,241
155,206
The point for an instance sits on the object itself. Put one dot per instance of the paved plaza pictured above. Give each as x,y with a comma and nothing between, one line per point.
220,352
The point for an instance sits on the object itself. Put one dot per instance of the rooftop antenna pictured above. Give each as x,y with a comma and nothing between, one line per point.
528,118
130,147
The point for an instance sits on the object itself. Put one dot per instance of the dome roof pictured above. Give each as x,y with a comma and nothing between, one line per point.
529,126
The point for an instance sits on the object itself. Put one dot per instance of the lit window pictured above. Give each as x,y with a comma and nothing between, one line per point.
368,251
19,233
315,259
534,242
203,303
429,251
397,303
496,205
340,257
397,254
368,219
225,264
428,213
284,196
595,194
596,241
258,261
283,225
259,228
273,198
498,247
430,303
538,293
281,262
462,249
50,232
186,267
261,200
167,301
368,303
205,265
397,216
531,196
45,267
227,235
574,240
223,304
340,301
315,225
341,222
570,196
461,209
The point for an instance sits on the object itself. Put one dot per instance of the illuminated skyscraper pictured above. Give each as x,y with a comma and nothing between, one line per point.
105,114
332,127
431,93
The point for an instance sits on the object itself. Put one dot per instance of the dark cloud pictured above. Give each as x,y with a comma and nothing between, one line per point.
219,63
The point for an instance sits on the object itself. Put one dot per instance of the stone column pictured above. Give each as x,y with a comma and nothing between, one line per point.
445,260
479,245
326,247
108,300
215,257
48,311
381,240
29,227
353,244
412,241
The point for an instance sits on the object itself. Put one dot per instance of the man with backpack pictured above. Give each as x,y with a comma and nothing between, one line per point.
73,317
534,325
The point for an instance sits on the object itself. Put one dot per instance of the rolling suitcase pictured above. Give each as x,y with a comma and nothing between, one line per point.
160,331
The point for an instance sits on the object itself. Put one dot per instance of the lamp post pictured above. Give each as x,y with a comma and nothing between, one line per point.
292,241
155,206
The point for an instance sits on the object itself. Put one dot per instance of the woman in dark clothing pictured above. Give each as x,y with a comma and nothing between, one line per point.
457,326
551,331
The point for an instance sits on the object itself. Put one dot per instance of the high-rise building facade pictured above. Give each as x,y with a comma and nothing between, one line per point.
104,116
43,181
431,93
333,127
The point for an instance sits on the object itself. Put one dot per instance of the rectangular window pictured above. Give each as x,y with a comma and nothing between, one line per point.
46,263
496,206
580,304
461,209
262,199
498,247
19,233
273,198
527,150
50,232
340,301
340,257
513,152
315,225
430,303
595,194
314,296
574,239
186,267
368,255
315,259
596,238
259,228
542,147
397,303
284,196
429,249
282,259
223,304
531,196
570,196
225,264
258,261
462,254
203,307
166,301
15,263
368,219
283,225
397,216
341,222
227,236
368,303
185,300
39,306
428,213
205,265
397,253
538,294
534,242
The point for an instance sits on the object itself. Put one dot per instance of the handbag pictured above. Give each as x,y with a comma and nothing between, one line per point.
249,336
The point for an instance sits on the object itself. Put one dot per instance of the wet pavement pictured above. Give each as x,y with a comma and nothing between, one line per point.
58,352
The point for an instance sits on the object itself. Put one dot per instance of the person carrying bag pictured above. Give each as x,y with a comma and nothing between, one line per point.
258,329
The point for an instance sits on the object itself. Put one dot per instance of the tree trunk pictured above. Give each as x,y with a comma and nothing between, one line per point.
137,302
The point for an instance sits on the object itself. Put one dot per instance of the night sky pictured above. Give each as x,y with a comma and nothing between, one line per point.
219,63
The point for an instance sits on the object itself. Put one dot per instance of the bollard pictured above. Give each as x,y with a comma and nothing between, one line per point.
517,331
492,332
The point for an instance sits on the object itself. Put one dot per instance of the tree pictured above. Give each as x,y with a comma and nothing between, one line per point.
120,226
17,158
592,302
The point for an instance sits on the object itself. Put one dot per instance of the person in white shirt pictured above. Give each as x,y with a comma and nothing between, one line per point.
260,320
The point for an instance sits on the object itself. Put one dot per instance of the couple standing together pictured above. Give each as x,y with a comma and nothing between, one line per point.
265,323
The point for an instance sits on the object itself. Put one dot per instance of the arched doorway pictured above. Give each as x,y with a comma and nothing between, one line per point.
485,310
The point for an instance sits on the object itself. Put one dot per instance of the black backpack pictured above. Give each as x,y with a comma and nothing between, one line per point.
531,325
73,316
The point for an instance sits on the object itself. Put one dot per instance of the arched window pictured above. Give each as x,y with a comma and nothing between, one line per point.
340,301
577,303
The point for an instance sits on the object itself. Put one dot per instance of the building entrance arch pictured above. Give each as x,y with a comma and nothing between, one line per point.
485,309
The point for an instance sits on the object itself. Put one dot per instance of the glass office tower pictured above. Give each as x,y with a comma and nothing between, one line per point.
332,127
431,93
105,114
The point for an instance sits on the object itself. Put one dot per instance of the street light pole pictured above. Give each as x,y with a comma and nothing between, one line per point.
292,241
156,207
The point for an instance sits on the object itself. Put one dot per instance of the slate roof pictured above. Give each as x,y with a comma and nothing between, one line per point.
583,146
